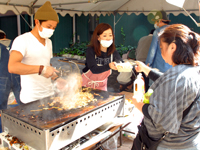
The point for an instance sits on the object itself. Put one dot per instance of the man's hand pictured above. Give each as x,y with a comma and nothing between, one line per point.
49,71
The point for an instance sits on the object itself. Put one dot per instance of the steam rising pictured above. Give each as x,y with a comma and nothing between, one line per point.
69,88
73,83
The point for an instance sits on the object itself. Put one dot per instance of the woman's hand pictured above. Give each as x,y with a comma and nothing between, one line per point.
141,67
112,66
137,104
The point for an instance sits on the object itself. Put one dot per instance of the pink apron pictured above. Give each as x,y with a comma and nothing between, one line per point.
96,81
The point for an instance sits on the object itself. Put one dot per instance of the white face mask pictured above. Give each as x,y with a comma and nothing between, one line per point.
106,43
156,26
45,33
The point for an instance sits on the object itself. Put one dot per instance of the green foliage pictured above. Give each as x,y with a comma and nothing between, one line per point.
123,34
62,51
124,49
80,49
76,49
71,42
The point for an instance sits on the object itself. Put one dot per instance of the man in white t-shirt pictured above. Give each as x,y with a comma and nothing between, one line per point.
30,56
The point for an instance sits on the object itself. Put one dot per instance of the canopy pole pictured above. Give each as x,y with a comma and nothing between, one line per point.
74,28
116,22
197,24
18,25
31,10
114,25
32,21
22,17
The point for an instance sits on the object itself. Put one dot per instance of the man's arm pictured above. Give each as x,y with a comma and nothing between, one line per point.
15,66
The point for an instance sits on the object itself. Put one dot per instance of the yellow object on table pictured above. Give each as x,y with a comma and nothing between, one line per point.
147,95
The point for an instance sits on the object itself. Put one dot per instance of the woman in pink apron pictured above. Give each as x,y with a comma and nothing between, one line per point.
100,57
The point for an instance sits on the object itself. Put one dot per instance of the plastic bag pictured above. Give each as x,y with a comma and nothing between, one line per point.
111,144
132,127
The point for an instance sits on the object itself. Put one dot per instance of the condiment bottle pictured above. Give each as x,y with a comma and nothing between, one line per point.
138,88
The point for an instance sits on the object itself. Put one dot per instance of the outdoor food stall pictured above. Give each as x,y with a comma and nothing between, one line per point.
49,124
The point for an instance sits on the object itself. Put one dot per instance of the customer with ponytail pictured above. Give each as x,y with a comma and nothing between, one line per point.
175,91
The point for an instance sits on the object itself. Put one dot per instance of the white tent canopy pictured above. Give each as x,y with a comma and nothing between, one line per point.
98,7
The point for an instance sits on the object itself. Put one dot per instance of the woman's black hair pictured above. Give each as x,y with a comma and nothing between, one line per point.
187,43
94,40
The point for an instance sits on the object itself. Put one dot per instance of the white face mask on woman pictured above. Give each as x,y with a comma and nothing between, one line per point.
106,43
45,33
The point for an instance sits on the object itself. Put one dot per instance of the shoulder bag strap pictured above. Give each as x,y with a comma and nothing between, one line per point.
185,112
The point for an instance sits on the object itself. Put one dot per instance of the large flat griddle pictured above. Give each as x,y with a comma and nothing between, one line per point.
50,117
52,129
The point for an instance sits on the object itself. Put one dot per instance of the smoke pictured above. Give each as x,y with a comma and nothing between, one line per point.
68,89
73,84
70,80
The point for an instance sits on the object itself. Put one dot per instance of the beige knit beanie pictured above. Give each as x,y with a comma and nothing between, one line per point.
46,12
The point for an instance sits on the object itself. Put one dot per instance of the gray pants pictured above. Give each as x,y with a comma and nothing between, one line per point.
125,77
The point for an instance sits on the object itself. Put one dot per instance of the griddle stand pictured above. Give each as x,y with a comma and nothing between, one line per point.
121,128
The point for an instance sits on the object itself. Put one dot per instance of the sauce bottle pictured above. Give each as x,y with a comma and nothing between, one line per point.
138,88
